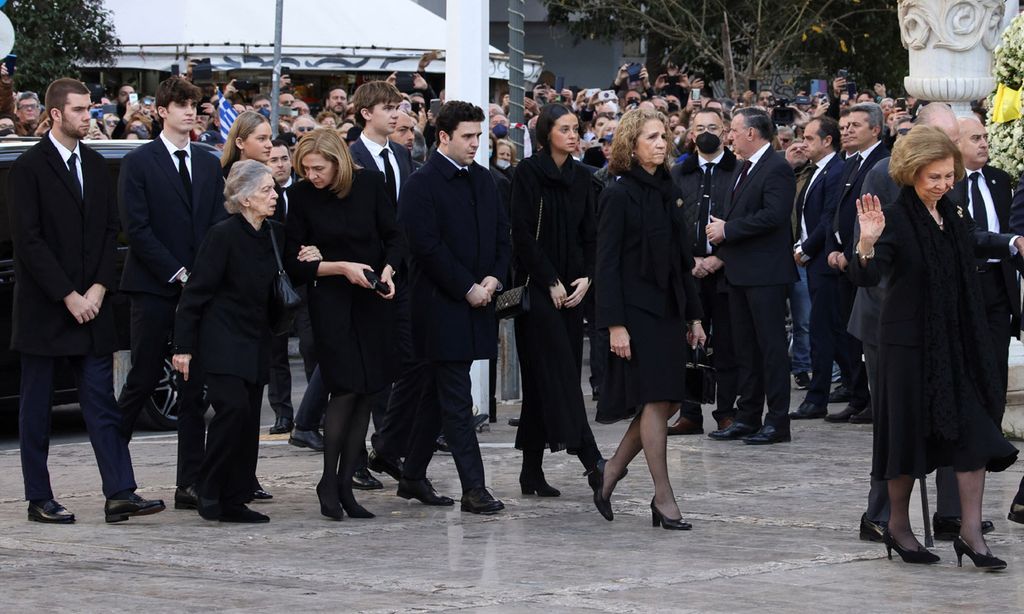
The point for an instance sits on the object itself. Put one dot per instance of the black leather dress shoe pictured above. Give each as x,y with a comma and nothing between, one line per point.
808,411
119,510
736,430
307,439
185,498
441,445
382,464
261,495
479,501
423,491
767,435
839,395
241,514
871,531
51,512
843,417
1016,514
283,424
686,426
864,416
947,528
362,480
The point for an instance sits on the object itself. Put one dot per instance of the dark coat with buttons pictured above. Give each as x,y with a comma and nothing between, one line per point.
63,243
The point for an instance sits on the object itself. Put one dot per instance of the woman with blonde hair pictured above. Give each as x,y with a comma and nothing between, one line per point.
648,301
346,214
248,139
938,391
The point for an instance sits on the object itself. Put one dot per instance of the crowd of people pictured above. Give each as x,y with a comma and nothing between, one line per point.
842,237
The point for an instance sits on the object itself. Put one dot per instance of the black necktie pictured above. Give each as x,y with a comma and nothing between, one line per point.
704,211
186,179
389,174
462,172
743,175
978,202
73,168
854,167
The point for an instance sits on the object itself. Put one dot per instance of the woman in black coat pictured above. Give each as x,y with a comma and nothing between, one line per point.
648,301
346,213
938,392
222,320
558,193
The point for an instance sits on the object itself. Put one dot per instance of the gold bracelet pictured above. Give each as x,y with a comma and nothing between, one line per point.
692,322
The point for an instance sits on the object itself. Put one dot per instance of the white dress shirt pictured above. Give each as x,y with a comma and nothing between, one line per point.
375,150
65,155
703,163
819,167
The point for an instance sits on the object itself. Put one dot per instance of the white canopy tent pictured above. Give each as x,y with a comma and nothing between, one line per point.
317,36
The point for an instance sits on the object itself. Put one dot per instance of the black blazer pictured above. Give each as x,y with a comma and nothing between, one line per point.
899,260
164,232
818,210
353,326
846,210
363,158
758,246
619,279
222,315
1001,187
62,244
458,234
689,178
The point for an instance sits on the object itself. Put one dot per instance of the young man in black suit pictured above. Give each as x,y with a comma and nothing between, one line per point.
170,196
64,227
815,208
705,180
376,108
460,245
755,240
861,137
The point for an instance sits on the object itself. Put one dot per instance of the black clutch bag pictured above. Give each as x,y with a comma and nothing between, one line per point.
700,377
285,301
515,301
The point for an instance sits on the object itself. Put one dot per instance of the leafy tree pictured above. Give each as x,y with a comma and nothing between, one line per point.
52,36
746,39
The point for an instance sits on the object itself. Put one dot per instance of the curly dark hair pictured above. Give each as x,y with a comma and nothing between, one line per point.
454,112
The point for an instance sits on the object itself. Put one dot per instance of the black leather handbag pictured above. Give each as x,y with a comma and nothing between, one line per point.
285,301
700,376
515,301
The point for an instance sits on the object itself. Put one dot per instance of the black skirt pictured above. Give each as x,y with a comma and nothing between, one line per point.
549,342
656,371
901,446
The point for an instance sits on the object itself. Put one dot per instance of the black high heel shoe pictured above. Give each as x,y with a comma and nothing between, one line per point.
596,480
921,557
537,486
328,507
354,510
676,524
986,561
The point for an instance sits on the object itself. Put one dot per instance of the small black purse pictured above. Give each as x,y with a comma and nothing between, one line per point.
284,300
700,377
515,301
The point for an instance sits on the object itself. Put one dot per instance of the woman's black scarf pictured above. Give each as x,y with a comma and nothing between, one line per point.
661,254
954,317
556,190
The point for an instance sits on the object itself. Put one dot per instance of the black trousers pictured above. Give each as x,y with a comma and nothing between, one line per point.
152,322
827,331
717,323
852,348
759,332
997,309
446,404
279,389
233,441
94,377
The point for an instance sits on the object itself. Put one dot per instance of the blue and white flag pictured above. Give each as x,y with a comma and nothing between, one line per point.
227,113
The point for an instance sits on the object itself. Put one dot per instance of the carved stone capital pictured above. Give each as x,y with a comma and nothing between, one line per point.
957,25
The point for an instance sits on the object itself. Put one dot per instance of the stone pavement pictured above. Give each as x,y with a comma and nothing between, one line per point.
775,529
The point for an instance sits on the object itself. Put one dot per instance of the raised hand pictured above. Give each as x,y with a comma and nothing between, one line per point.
871,220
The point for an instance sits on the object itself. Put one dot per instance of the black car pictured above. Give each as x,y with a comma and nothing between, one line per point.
160,412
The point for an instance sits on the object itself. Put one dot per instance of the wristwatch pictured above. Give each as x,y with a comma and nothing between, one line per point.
183,278
867,256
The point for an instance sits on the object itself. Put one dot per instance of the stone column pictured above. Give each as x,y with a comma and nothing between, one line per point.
950,44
